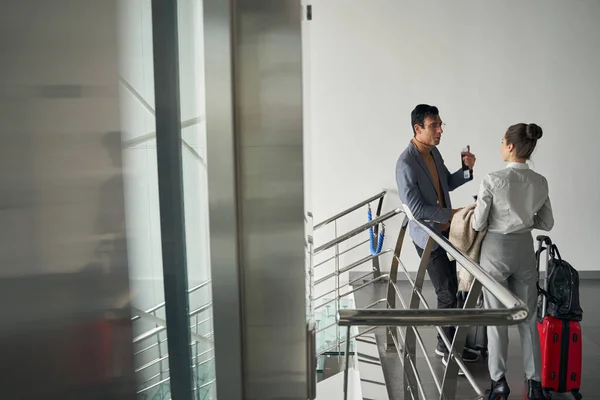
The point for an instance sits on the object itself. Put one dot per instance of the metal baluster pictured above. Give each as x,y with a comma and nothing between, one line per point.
160,370
458,345
311,277
337,286
391,291
410,340
197,363
347,363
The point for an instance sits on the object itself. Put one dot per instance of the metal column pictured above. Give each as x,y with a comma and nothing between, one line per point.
255,168
170,191
223,201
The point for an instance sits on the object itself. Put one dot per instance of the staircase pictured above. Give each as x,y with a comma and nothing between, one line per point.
357,318
151,354
397,312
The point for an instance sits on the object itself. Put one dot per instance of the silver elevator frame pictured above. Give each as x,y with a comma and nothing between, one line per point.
255,172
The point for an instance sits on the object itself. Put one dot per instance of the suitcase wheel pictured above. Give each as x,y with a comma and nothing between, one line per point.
576,394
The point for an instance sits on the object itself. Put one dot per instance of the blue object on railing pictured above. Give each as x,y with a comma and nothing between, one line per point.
375,251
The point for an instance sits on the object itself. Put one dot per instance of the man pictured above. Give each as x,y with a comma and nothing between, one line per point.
424,184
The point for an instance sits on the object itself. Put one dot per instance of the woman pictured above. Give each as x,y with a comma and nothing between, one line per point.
512,202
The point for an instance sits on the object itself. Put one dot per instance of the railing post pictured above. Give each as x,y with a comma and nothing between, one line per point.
311,359
458,345
391,292
337,285
410,339
376,263
197,363
347,366
160,363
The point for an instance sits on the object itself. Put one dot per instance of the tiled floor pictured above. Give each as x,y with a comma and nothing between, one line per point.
393,370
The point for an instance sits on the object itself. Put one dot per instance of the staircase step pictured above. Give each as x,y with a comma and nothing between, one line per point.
369,367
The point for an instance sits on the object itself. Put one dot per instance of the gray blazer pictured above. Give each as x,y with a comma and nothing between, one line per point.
417,191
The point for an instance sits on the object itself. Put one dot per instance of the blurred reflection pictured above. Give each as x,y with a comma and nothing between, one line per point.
110,222
65,328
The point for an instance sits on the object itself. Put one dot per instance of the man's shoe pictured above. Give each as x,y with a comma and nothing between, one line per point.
440,350
468,356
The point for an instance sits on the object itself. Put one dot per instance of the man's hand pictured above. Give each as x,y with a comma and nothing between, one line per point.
468,158
454,211
446,226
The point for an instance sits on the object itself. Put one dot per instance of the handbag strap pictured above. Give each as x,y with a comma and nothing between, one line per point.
554,253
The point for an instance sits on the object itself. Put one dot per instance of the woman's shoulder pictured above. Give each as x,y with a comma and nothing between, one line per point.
495,178
503,177
539,178
532,176
537,174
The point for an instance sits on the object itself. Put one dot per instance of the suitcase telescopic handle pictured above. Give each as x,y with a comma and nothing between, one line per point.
544,239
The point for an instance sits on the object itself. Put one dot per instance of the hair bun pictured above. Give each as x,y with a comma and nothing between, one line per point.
533,132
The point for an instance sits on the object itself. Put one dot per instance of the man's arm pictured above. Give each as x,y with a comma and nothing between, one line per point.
410,195
457,179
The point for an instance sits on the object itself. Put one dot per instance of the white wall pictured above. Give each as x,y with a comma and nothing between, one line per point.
486,65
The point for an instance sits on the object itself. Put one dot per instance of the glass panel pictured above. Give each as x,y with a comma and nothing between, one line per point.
136,93
142,201
195,180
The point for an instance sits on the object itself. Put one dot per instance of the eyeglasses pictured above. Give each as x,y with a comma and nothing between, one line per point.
436,125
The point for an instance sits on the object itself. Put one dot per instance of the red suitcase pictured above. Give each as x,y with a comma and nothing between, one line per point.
560,344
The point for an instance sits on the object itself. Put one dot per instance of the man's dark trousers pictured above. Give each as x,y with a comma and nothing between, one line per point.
442,273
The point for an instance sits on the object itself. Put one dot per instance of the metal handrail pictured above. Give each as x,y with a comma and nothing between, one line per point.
196,338
349,210
505,296
160,305
160,327
350,267
356,231
341,296
349,249
515,312
340,289
163,326
432,317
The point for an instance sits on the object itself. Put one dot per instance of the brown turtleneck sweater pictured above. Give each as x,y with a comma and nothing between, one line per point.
425,152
